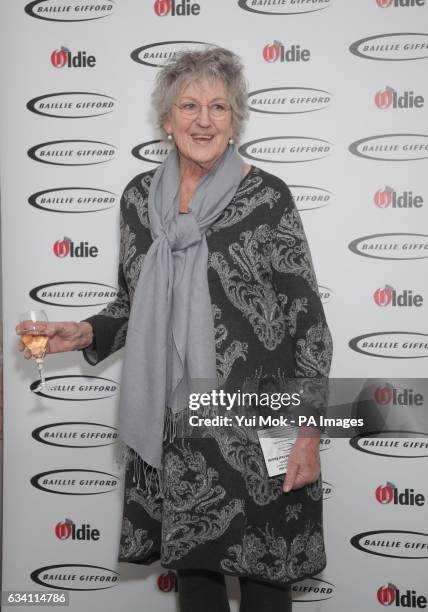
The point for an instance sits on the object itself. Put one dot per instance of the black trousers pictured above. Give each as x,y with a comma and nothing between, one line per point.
205,591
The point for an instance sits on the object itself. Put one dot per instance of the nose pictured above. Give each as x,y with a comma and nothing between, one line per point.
203,117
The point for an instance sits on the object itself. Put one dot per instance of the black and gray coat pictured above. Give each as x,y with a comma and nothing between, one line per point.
219,510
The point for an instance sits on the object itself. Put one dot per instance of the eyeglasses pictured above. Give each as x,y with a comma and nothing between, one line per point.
216,110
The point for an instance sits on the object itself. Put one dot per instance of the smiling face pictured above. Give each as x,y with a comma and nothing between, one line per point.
201,140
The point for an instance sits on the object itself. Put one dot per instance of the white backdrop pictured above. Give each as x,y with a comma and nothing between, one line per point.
343,121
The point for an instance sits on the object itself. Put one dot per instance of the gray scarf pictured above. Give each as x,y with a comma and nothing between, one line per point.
170,340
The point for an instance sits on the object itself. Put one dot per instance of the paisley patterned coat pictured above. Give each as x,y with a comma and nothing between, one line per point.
219,510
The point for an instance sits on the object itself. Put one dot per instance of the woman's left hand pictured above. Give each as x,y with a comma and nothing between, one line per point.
303,465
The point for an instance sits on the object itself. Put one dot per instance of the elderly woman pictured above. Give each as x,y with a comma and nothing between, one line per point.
215,284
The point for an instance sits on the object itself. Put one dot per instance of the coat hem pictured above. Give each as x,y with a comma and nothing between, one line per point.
277,583
253,577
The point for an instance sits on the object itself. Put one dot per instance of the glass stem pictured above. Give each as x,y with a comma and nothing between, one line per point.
39,361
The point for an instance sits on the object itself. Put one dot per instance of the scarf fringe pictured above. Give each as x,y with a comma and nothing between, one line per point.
145,477
176,424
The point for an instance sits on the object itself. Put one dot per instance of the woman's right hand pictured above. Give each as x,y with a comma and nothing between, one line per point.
63,336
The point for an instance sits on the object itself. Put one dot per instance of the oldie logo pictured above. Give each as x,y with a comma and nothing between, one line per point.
307,197
286,149
153,151
78,388
277,51
391,345
176,8
312,589
67,248
73,200
406,444
70,10
392,147
72,105
397,47
390,98
74,294
391,246
68,530
393,543
75,577
288,100
388,395
388,296
75,482
166,582
76,434
390,595
158,54
388,197
72,152
283,7
64,58
390,494
399,3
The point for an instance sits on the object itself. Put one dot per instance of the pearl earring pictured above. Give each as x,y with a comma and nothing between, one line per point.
169,137
231,141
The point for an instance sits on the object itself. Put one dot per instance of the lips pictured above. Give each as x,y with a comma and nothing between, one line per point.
202,138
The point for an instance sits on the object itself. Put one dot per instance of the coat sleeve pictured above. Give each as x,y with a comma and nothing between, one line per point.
294,278
110,324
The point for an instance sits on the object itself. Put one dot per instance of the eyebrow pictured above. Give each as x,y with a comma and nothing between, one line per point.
195,100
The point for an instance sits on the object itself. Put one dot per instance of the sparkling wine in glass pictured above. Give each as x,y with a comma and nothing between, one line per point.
35,341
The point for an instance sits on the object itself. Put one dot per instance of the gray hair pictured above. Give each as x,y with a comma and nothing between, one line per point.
210,63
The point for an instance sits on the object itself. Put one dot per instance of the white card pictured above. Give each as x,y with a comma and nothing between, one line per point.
276,444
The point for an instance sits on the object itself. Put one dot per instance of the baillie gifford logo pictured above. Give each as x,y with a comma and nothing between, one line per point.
159,54
389,198
388,296
67,530
152,151
389,493
391,246
391,345
69,10
395,47
75,577
395,543
283,7
390,98
312,589
176,8
390,595
64,58
277,51
67,248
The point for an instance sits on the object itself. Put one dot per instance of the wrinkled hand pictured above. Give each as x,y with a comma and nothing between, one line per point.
303,465
63,336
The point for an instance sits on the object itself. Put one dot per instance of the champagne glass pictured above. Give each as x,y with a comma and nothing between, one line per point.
35,340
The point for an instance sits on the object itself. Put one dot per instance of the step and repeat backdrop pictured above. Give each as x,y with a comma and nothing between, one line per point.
338,98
